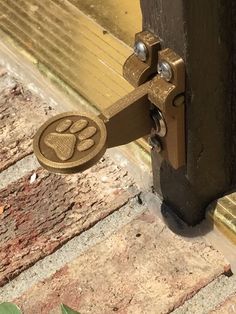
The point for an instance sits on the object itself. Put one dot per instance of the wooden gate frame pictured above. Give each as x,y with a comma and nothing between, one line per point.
203,34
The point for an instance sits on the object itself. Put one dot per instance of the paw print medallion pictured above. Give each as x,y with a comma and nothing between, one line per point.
70,142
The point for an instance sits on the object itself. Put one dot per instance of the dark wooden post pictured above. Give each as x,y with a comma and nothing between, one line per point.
203,33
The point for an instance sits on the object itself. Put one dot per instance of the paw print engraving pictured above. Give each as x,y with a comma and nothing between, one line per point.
69,136
70,142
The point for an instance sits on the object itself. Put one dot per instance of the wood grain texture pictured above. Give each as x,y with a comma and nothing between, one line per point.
121,18
222,213
77,53
234,82
201,32
71,45
166,19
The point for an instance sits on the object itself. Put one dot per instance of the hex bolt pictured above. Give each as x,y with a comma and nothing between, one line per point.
141,51
155,143
164,70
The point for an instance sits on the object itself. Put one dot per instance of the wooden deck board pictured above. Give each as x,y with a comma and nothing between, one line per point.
82,53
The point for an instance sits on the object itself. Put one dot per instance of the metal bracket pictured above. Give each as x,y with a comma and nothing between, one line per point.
166,93
135,70
168,97
72,142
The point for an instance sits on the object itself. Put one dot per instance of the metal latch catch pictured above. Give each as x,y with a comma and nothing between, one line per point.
72,141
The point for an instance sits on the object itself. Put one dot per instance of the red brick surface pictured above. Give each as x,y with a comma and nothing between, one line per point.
142,269
21,113
39,217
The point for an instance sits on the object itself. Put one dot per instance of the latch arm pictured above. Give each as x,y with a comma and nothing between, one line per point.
129,118
72,142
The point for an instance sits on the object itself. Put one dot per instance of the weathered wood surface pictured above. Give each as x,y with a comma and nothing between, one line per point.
166,19
80,52
201,32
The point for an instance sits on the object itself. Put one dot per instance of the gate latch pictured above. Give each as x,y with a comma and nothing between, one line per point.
73,141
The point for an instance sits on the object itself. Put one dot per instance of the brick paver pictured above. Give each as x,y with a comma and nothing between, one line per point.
142,269
41,211
39,217
21,113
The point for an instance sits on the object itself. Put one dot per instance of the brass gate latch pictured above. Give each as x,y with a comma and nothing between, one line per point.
71,142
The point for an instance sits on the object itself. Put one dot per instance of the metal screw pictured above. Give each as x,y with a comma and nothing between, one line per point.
140,50
164,70
160,124
155,143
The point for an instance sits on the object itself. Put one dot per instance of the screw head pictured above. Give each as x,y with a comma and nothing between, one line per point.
160,124
164,70
140,50
155,143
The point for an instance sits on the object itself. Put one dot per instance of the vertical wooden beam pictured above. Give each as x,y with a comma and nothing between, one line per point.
202,33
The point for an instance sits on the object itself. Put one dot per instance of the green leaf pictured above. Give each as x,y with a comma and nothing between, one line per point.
66,310
9,308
